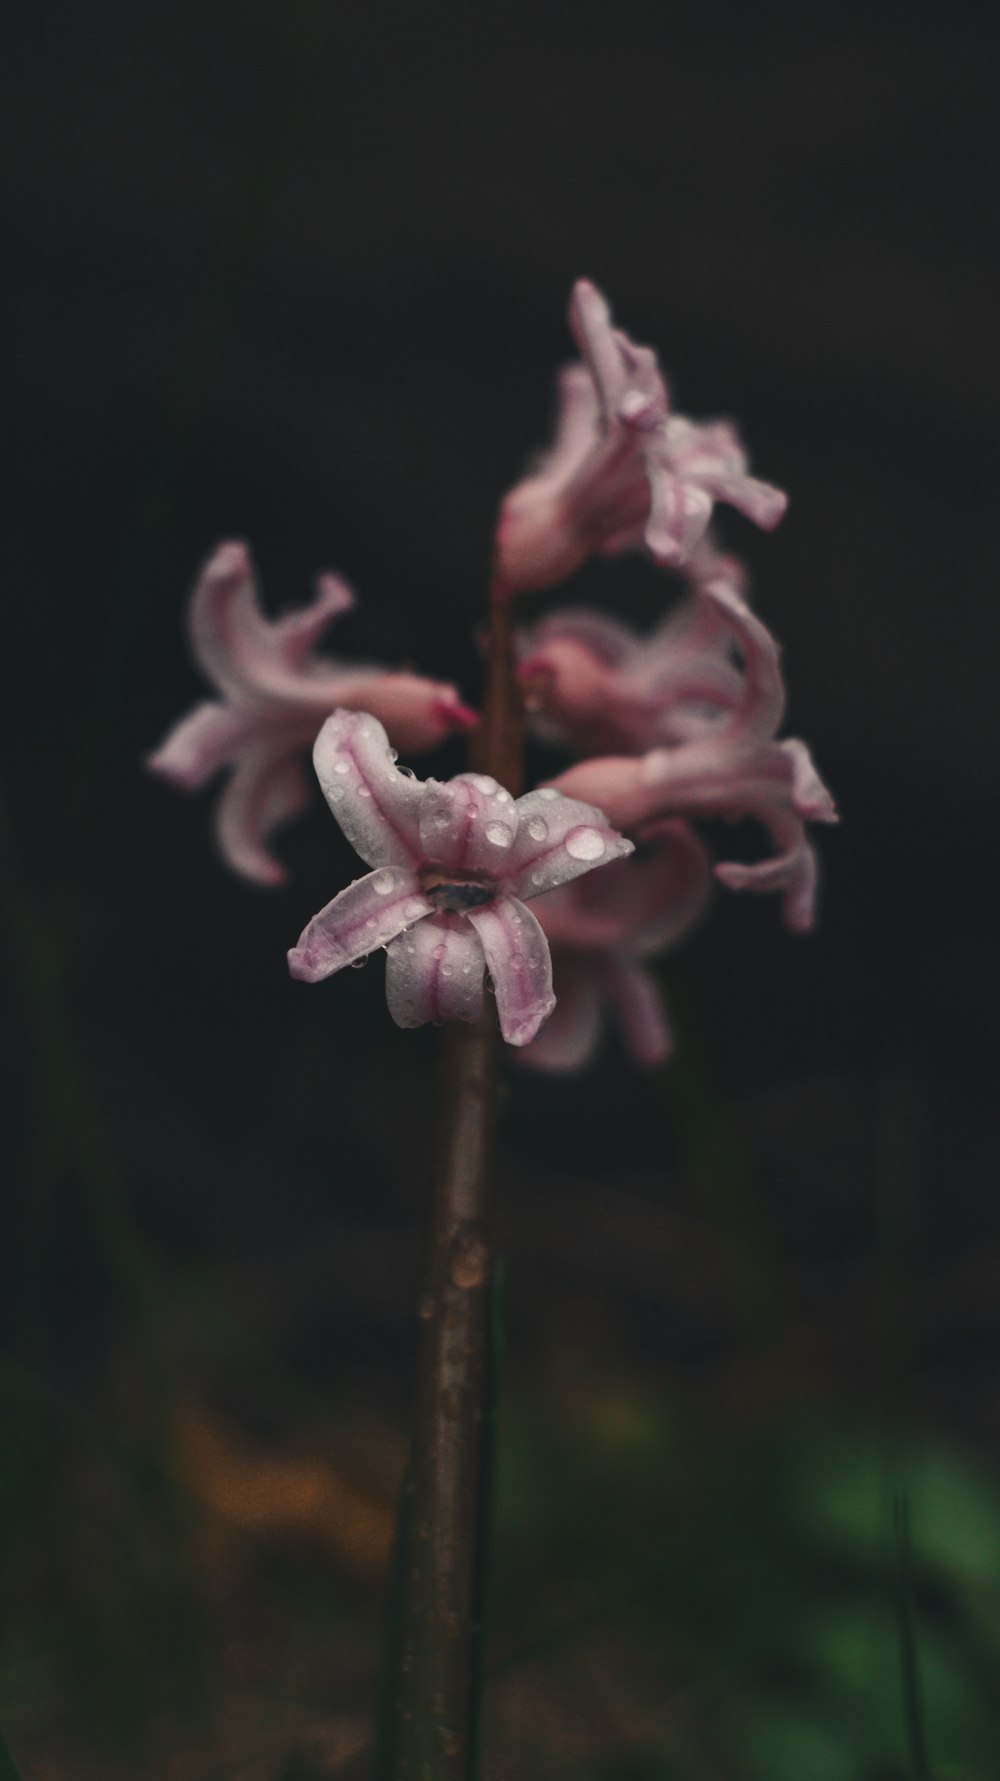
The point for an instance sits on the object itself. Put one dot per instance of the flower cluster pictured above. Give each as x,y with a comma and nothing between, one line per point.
680,724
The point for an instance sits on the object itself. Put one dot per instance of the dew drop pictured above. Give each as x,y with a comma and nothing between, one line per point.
413,909
538,878
356,964
446,971
406,772
384,882
364,791
499,834
341,767
538,828
585,844
484,783
371,924
336,794
549,792
394,754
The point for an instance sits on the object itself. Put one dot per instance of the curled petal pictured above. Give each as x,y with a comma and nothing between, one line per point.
517,957
467,825
794,872
569,1037
626,377
810,796
435,973
638,1006
638,906
267,789
201,743
368,914
761,705
558,838
376,805
231,639
296,634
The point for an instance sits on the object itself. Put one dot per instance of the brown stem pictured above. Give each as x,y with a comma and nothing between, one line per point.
434,1700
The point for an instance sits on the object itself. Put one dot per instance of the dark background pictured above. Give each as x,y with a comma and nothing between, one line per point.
299,274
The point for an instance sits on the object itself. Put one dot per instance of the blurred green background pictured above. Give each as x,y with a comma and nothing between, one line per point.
298,274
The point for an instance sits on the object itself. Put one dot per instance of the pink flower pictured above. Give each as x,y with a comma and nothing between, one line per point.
275,695
601,931
596,686
453,866
623,471
733,768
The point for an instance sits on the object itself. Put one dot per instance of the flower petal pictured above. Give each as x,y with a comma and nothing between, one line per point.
231,639
370,913
761,706
296,634
376,805
202,742
558,838
517,957
795,872
267,789
467,825
569,1037
435,973
635,997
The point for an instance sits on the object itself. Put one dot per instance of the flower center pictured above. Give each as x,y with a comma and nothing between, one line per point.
456,893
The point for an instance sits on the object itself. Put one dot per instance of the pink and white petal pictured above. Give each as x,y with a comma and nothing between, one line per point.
467,825
795,872
615,784
376,805
206,739
570,1036
268,788
635,997
762,704
577,419
679,513
760,501
558,838
810,796
417,713
370,913
230,637
590,325
518,961
435,973
611,641
297,633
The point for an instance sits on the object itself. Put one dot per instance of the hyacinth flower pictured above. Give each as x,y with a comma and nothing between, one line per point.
275,695
454,864
596,686
602,931
624,471
734,768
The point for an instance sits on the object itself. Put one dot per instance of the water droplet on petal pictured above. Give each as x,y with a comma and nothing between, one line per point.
585,844
383,882
548,791
356,964
538,828
499,834
484,783
394,754
341,766
336,794
364,791
446,971
413,910
406,772
538,878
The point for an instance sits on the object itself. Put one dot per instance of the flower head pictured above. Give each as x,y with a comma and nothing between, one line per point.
733,768
454,864
275,695
595,686
602,930
623,471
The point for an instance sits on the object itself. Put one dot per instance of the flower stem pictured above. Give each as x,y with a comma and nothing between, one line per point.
436,1664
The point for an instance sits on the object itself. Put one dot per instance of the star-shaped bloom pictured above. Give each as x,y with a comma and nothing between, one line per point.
454,865
596,686
276,693
734,768
624,471
602,930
